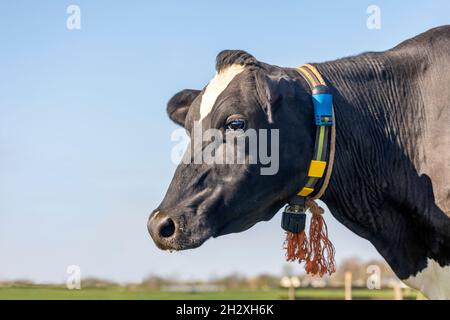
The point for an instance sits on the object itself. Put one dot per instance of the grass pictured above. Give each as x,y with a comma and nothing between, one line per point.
122,293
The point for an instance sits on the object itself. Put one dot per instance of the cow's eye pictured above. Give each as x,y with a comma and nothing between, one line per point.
236,124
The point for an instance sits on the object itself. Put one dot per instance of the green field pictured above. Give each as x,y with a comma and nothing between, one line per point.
122,293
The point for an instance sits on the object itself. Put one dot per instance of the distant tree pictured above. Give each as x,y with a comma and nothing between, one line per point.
353,265
232,281
22,283
265,281
155,282
92,282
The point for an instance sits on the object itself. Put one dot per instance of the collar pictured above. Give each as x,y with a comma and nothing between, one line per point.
321,164
315,248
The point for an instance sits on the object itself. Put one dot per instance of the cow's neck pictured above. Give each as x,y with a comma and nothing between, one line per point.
375,190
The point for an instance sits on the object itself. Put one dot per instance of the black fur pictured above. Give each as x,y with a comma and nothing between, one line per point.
229,57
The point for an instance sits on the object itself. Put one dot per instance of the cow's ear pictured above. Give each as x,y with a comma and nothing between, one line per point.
268,89
178,105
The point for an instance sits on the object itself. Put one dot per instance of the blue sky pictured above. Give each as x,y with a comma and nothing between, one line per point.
85,140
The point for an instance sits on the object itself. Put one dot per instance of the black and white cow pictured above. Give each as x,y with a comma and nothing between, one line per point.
390,182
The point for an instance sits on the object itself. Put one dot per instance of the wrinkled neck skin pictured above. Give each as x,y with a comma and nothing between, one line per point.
375,189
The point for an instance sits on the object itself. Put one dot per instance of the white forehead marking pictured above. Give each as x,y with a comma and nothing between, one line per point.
216,87
433,281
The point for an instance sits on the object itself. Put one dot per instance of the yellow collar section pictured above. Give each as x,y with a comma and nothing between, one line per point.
321,165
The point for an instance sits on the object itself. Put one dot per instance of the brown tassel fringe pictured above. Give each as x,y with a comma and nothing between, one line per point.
296,246
318,252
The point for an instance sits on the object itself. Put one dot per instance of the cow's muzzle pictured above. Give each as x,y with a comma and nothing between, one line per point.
187,225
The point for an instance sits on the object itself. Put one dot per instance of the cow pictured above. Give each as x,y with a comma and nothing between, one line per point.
390,180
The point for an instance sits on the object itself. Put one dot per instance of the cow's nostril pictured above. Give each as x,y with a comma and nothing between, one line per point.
167,228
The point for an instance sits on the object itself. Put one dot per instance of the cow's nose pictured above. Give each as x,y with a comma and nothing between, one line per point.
166,228
162,229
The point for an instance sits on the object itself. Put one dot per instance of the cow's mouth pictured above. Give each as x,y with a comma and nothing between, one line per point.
196,225
187,225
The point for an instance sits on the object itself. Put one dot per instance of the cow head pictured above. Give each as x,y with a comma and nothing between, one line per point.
211,199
